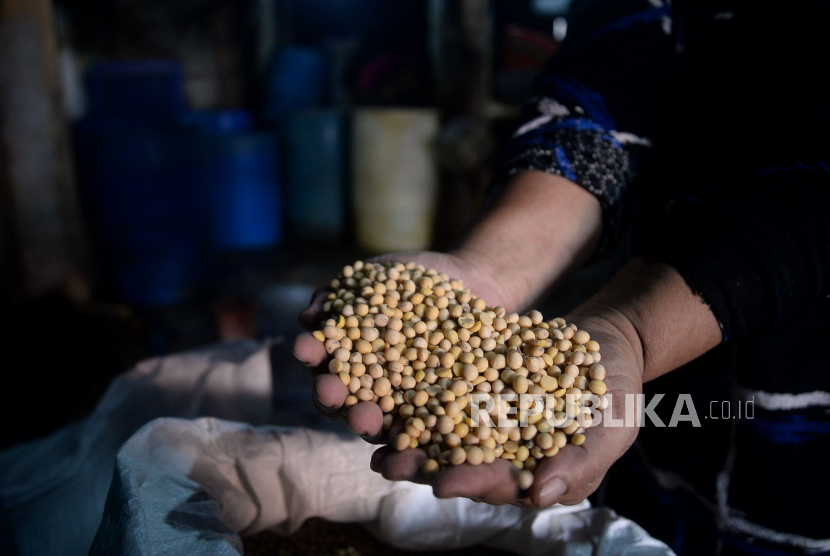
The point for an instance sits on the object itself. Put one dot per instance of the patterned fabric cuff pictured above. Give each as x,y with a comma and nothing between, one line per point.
570,141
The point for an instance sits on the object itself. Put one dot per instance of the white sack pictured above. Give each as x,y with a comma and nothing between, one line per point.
53,489
184,487
187,487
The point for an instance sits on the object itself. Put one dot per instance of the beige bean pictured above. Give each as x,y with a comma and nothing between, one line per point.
511,446
469,372
452,440
524,480
459,388
387,404
402,442
597,387
475,455
382,386
453,409
515,360
369,334
581,337
529,432
445,424
520,384
597,372
549,383
420,399
544,441
430,468
457,456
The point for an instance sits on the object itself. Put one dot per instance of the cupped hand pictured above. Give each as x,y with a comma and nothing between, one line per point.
566,478
329,393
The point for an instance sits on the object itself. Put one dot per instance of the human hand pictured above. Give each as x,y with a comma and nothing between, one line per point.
329,393
569,476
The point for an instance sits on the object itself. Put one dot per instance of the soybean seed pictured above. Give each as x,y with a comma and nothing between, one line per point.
597,372
475,455
524,480
382,386
402,442
457,456
597,387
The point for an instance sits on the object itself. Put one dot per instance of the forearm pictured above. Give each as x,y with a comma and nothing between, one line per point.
543,228
654,307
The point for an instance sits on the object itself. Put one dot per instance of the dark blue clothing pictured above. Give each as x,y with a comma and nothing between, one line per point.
703,128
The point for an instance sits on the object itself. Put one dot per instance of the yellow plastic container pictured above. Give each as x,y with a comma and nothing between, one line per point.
394,178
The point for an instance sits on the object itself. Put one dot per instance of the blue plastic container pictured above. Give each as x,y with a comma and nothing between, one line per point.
315,176
161,198
296,81
240,174
143,205
217,121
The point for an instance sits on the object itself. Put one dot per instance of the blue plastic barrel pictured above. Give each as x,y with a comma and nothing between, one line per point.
296,81
143,206
217,121
241,177
315,174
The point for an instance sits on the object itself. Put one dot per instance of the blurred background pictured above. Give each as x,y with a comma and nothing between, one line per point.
179,173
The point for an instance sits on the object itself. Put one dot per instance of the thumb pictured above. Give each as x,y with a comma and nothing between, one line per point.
576,471
311,316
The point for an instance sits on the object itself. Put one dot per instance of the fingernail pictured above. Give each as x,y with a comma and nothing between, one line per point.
330,412
370,438
552,491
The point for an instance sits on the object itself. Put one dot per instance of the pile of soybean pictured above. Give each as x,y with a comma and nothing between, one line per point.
418,344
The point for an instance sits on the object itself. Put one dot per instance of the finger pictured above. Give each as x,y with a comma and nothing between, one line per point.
494,483
311,316
394,430
309,350
404,465
329,394
366,419
327,412
398,426
576,471
379,455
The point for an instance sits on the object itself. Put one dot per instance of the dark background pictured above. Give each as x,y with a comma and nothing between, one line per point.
123,123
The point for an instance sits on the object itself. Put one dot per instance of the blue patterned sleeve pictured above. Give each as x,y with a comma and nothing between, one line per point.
598,104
